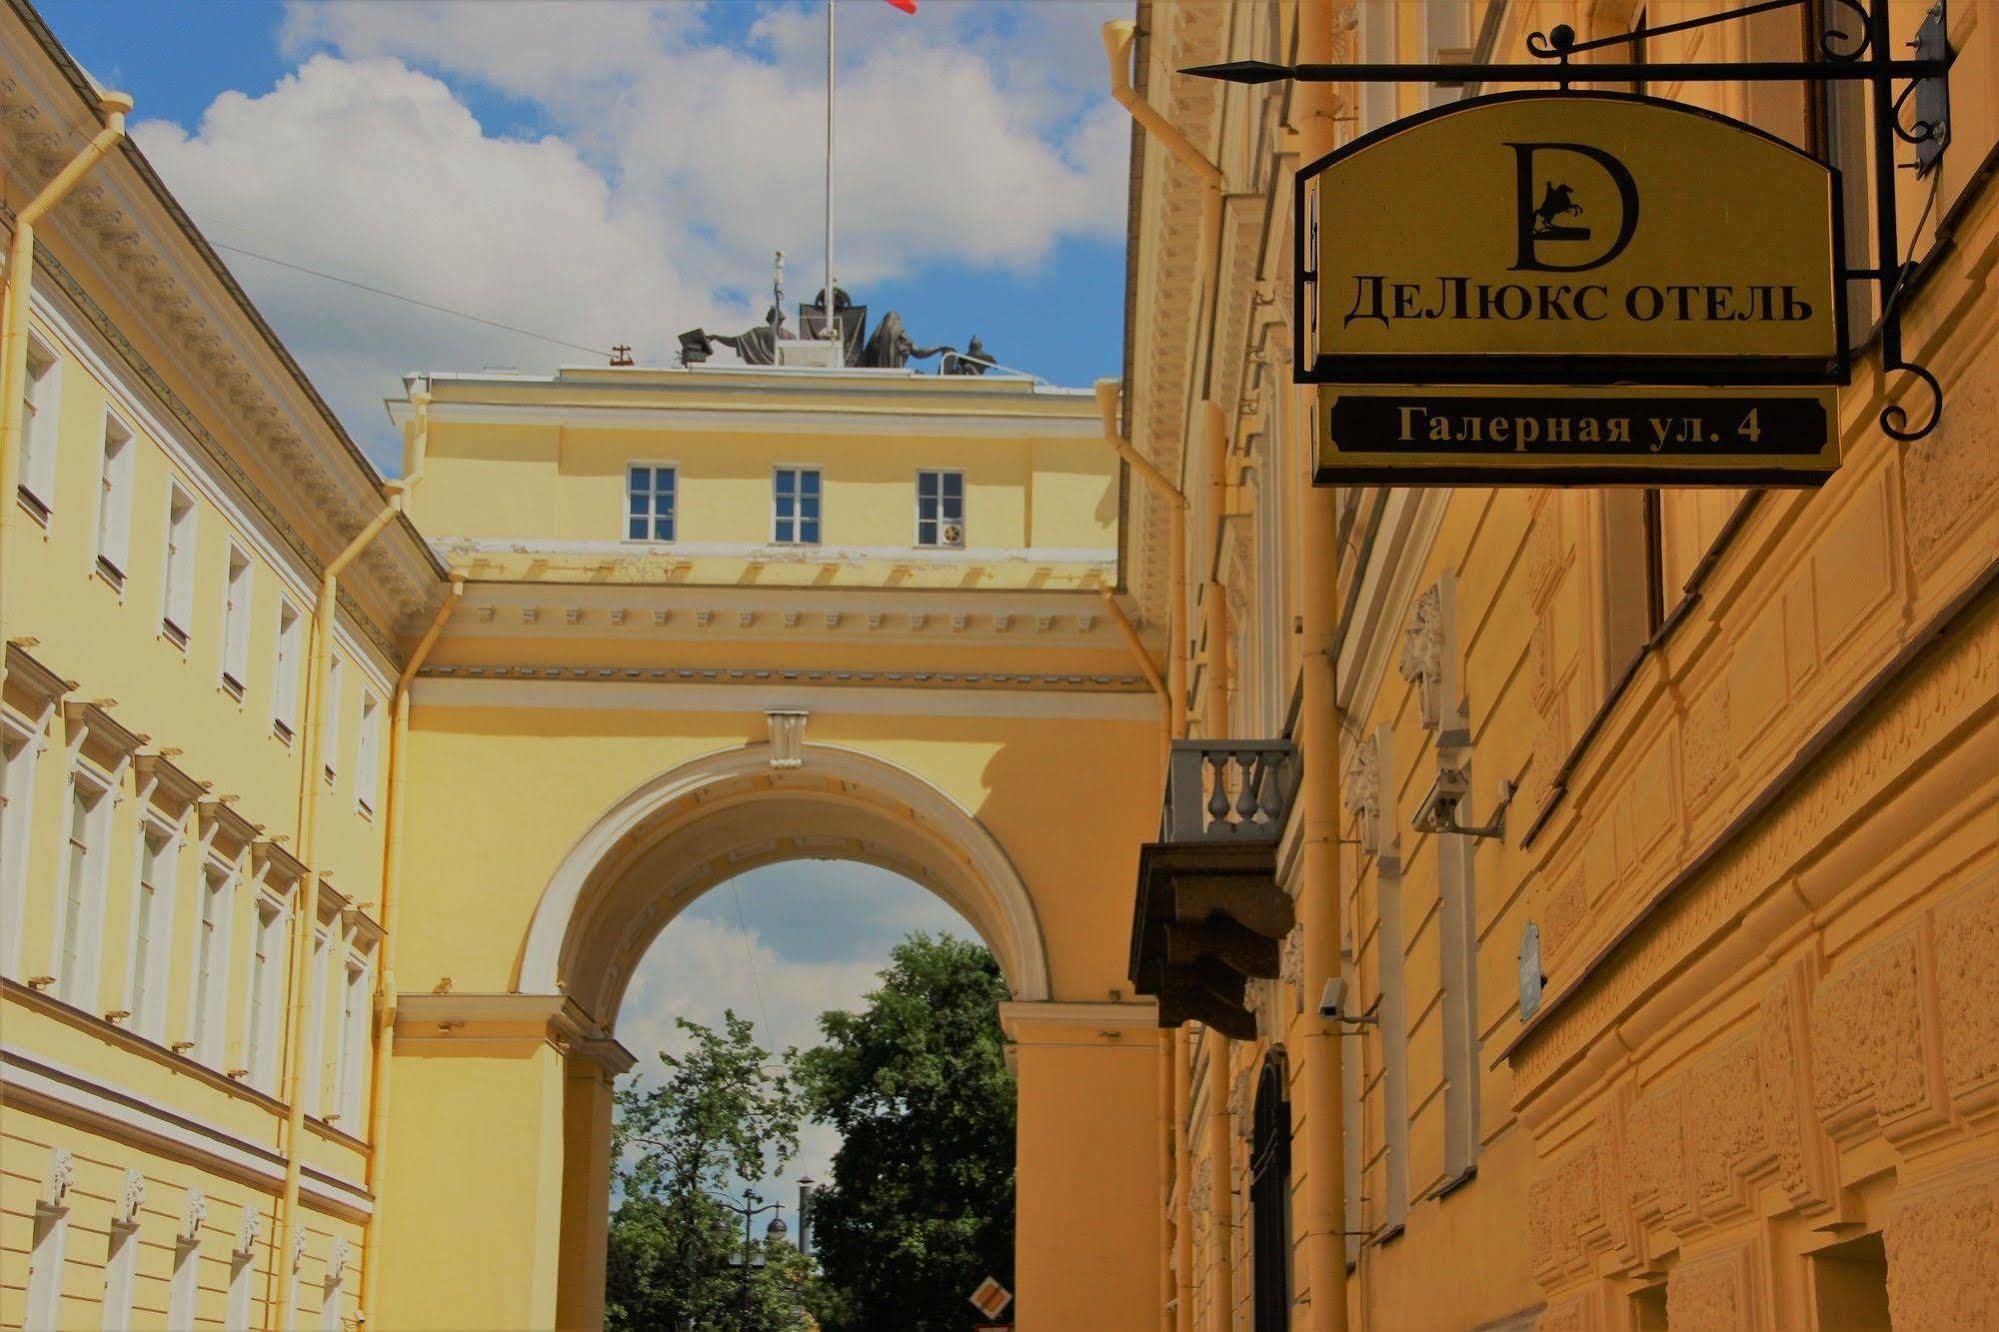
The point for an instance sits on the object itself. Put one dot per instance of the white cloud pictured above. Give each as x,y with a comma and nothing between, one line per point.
699,967
670,158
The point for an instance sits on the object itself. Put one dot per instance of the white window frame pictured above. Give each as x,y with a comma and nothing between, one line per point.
285,662
45,1266
329,714
21,745
208,1013
177,562
1391,967
652,514
798,473
152,956
118,449
42,404
242,1275
121,1264
265,993
367,748
356,1004
80,987
184,1288
939,522
239,592
317,980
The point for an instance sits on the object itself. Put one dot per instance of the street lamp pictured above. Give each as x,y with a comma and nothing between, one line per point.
751,1207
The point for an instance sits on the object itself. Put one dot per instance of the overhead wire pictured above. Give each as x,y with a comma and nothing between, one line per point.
409,300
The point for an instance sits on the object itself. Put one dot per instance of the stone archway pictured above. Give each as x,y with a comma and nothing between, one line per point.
683,832
676,836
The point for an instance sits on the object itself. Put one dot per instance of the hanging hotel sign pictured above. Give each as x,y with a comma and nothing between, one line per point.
1592,287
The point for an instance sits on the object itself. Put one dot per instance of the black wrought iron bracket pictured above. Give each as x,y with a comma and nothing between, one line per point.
1844,56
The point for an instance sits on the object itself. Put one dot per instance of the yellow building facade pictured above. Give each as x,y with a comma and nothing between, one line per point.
1752,864
1105,671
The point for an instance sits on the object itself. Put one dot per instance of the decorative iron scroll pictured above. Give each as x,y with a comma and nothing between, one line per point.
1857,47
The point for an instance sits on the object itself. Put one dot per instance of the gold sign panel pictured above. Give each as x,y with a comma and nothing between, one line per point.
1648,292
1514,435
1577,226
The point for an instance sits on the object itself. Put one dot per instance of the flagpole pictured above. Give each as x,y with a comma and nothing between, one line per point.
832,324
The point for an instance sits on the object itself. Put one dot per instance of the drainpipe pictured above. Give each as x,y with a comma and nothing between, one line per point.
315,748
385,984
1176,572
1118,35
1319,902
14,316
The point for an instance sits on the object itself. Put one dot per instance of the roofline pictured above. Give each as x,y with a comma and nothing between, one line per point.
81,81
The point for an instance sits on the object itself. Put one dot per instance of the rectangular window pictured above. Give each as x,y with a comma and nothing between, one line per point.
366,746
184,1294
315,1007
236,623
17,766
242,1273
114,501
353,1040
38,440
152,908
83,887
45,1266
266,966
940,509
211,962
649,495
284,668
120,1269
795,506
329,713
177,578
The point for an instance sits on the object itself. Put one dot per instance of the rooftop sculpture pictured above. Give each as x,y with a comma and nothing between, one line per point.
889,347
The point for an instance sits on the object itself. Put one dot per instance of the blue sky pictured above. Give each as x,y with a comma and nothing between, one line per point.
619,172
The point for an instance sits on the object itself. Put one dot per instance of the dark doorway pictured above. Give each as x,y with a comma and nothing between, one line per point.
1270,1197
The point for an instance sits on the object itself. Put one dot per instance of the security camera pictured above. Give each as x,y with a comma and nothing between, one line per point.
1332,1004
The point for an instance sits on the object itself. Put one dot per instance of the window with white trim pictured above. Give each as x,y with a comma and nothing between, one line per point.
352,1035
152,911
40,401
333,1297
284,669
366,745
121,1265
184,1291
18,749
267,969
940,509
177,568
649,501
45,1265
236,594
795,506
329,713
242,1273
211,961
114,500
315,1007
84,864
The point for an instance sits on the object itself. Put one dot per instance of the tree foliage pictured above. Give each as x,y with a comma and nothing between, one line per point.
726,1112
920,1206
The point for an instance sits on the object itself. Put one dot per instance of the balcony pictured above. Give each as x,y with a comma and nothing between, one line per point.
1210,915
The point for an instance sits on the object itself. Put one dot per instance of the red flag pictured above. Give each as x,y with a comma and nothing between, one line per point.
906,6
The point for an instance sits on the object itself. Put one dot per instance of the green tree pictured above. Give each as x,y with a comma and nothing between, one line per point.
920,1206
726,1112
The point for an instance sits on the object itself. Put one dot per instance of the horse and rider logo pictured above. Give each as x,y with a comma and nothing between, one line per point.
1545,235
